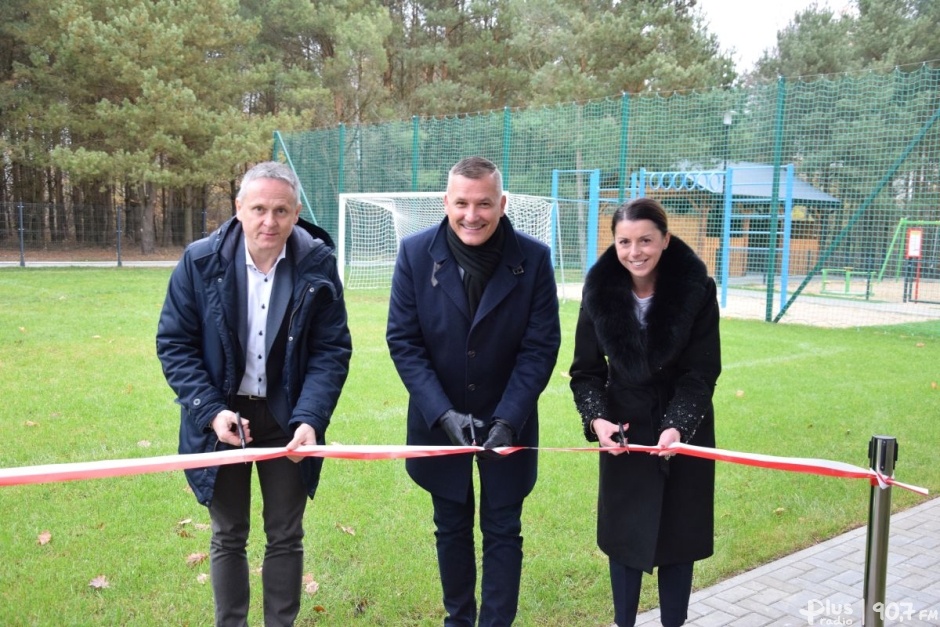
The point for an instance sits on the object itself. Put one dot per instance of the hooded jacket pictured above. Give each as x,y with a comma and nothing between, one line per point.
203,358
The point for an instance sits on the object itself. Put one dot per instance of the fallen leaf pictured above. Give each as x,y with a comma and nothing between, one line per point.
565,375
319,608
196,558
128,388
22,329
184,534
920,345
346,529
30,423
780,511
361,606
933,385
44,538
96,337
310,586
184,522
99,582
202,578
739,393
144,444
202,527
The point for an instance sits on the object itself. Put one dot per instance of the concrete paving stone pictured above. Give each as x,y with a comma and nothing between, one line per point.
831,571
927,559
792,570
781,584
820,573
758,607
919,582
716,618
733,595
751,620
851,577
718,605
769,596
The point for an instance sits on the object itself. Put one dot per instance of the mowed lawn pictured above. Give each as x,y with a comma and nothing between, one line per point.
79,381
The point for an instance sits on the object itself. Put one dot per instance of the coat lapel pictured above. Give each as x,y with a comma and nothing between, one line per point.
280,300
241,278
507,274
445,274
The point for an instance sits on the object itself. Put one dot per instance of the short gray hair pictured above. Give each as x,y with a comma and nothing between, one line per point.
476,168
271,170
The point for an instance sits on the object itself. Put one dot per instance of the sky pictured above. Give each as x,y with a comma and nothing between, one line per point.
750,26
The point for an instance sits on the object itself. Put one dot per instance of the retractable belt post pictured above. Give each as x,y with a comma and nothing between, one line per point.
882,454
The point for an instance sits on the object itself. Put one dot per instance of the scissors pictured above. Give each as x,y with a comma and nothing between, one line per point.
240,428
622,436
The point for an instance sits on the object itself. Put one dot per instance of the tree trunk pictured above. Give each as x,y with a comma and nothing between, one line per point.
147,223
188,214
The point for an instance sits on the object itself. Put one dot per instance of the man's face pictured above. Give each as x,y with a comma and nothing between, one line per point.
474,207
268,212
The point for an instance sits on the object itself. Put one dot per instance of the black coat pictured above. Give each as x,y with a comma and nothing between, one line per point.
493,365
202,353
651,511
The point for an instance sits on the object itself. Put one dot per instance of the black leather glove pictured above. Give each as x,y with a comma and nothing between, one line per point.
460,428
500,435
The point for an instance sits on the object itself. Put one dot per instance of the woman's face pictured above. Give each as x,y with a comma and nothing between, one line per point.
639,245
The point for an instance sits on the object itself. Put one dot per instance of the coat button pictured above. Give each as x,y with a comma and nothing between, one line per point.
472,387
471,354
197,402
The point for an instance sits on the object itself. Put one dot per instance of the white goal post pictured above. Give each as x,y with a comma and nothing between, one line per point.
372,225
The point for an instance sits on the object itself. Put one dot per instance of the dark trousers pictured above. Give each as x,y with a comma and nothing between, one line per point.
456,560
675,588
285,498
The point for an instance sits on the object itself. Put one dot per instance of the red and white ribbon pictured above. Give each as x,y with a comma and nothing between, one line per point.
113,468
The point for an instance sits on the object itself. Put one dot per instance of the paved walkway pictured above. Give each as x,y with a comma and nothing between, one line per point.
823,585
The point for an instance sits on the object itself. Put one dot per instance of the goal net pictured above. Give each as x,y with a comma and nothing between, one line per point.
372,225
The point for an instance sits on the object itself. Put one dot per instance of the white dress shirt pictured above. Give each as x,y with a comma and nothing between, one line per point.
255,382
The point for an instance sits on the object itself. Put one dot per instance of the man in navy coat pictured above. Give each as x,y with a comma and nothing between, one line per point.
253,339
473,330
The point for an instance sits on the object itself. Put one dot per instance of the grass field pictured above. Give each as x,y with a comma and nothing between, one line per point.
80,381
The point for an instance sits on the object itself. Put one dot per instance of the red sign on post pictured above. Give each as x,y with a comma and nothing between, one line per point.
914,239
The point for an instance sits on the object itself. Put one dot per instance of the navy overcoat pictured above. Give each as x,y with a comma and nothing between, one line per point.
495,365
200,346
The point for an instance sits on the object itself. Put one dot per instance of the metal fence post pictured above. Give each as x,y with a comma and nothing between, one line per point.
882,454
22,231
117,214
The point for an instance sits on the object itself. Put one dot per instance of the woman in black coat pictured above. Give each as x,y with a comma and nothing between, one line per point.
646,358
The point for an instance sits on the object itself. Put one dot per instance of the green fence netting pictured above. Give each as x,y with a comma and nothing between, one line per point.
853,238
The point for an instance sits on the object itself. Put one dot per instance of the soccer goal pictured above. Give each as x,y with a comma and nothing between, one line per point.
372,225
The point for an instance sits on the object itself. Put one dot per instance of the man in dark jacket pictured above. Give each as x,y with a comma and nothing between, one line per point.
474,333
254,341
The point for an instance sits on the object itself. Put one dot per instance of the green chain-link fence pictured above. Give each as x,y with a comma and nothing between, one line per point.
833,213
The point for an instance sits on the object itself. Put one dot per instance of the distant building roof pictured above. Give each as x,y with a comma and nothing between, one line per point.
755,180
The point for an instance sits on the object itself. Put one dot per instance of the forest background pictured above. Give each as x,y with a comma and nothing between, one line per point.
155,109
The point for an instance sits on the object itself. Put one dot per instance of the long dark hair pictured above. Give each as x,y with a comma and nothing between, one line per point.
642,208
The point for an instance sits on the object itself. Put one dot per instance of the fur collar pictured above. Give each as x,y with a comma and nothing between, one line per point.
608,299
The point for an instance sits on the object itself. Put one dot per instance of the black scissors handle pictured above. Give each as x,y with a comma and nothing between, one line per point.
241,429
